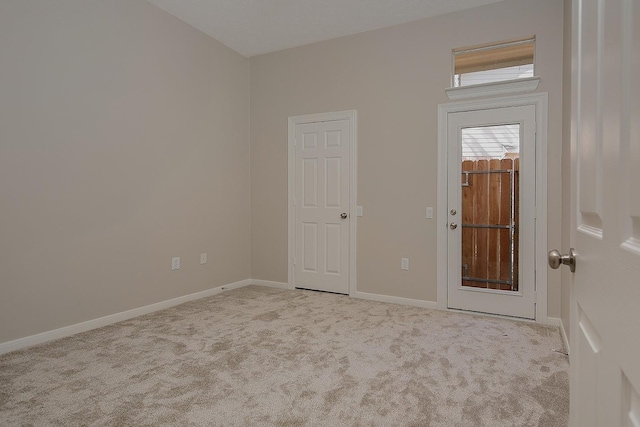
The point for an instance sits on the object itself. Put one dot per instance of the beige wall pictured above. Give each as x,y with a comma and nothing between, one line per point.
124,141
395,78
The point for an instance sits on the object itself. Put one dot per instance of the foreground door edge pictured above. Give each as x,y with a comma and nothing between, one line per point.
605,214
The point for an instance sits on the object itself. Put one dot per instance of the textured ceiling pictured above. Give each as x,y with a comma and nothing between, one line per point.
253,27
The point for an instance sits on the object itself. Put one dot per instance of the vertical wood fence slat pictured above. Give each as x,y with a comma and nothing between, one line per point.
516,238
505,218
482,217
466,217
493,242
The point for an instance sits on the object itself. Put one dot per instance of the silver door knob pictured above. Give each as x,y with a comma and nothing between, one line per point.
453,212
556,259
453,226
343,215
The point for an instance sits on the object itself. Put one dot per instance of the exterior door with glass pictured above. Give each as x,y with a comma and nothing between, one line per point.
491,210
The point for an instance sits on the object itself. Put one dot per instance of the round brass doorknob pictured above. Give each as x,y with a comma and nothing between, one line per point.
453,226
556,259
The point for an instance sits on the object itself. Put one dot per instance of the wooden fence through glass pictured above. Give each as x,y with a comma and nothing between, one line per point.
490,200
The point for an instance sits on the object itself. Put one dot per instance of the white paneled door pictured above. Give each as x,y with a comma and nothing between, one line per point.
321,205
605,213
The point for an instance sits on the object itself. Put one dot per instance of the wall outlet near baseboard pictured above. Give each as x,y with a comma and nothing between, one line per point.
203,258
175,263
404,263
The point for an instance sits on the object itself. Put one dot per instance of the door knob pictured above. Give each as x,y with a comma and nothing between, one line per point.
343,215
453,226
556,259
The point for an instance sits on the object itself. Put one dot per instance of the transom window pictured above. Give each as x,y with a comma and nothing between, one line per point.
494,62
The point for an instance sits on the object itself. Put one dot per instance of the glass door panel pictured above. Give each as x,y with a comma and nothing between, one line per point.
489,209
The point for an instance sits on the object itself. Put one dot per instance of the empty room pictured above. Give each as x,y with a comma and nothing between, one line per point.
319,213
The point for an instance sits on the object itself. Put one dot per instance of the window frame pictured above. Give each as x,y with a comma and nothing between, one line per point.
501,87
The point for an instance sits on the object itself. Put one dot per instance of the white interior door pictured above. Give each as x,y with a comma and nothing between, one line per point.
322,225
605,204
491,210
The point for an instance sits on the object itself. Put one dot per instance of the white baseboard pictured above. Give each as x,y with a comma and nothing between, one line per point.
552,321
270,284
129,314
565,340
230,286
395,300
112,318
557,322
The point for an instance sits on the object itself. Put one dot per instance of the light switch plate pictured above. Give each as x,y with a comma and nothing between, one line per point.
359,211
429,212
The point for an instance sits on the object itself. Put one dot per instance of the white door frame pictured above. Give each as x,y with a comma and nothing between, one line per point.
540,101
350,115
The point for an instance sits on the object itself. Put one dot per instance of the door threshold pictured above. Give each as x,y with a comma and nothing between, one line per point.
320,290
498,316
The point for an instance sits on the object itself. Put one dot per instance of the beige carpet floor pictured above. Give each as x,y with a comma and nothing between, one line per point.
259,356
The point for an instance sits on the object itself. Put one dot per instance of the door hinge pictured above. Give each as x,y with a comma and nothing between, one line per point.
294,260
294,201
295,142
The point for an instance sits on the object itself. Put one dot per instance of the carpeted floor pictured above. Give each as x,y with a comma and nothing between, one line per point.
259,356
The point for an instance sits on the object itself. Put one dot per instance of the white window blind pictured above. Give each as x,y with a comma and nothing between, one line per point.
494,62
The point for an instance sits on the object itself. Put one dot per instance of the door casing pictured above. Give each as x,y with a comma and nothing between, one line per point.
351,116
540,101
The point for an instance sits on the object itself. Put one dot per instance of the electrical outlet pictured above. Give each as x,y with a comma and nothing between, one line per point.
404,263
430,213
203,258
175,263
